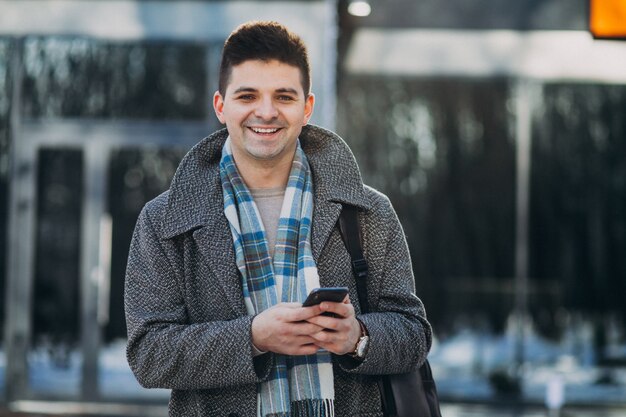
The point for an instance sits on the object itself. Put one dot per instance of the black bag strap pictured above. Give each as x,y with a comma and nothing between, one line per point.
351,234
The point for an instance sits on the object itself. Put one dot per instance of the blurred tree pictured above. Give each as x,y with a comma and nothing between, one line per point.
442,150
578,201
56,297
135,177
86,78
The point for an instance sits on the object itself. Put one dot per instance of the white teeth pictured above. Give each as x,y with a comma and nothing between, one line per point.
259,130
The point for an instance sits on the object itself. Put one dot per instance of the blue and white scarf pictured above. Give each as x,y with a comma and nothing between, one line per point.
298,386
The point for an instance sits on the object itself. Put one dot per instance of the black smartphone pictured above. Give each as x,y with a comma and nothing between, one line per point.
317,295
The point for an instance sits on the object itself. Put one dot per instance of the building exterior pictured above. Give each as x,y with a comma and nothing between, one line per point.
100,100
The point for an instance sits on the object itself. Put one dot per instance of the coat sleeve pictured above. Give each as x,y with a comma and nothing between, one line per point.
400,335
164,350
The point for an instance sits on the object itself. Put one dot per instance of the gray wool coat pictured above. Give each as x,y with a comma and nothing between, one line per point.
188,329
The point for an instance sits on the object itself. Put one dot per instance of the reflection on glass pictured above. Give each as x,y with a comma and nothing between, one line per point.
77,77
5,93
135,177
444,152
67,77
578,217
56,306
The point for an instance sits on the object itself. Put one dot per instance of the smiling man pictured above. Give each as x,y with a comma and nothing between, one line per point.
220,264
264,107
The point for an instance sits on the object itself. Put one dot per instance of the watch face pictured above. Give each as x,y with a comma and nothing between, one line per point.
362,347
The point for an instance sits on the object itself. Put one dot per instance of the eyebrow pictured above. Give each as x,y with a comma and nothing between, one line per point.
244,90
253,90
287,90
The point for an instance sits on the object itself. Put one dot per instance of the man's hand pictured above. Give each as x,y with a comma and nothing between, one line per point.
339,334
284,328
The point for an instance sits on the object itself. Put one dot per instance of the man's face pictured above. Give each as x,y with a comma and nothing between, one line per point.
264,109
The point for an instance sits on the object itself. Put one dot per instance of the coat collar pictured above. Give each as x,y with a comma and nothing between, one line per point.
195,198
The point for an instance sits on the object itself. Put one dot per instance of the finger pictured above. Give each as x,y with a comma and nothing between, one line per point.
325,322
340,309
305,328
292,343
313,310
305,340
330,342
321,338
333,342
300,313
306,350
288,305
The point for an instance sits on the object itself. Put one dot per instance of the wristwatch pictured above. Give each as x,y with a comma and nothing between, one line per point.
362,346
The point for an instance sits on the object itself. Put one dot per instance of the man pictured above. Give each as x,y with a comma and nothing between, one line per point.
220,264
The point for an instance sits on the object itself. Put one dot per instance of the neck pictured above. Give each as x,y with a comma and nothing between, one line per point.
265,175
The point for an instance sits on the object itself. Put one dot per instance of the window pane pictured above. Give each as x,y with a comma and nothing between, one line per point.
135,177
578,210
56,303
442,151
78,77
6,51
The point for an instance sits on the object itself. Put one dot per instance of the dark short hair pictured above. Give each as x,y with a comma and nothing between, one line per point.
264,41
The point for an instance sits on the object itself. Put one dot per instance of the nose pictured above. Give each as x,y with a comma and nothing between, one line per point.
266,110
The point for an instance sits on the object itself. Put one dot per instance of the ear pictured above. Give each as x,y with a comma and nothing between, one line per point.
218,106
308,108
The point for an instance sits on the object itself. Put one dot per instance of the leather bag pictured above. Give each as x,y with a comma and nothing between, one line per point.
411,394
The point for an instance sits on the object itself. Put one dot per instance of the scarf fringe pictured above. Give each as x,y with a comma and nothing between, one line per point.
309,408
313,408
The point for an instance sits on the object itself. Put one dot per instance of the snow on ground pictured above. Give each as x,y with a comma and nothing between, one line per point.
462,365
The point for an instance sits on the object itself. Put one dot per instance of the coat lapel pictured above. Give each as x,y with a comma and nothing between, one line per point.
196,205
325,216
336,181
216,249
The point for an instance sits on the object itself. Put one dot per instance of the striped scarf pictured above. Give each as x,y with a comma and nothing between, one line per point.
298,386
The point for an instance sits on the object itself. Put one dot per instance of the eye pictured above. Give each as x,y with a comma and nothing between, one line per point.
285,98
245,97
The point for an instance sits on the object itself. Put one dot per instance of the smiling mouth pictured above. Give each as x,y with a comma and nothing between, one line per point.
264,131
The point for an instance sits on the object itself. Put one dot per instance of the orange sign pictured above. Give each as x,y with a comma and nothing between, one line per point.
607,18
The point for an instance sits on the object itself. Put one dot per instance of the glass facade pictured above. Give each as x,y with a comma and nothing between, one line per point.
578,213
77,77
135,177
57,253
5,108
444,151
81,80
579,195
